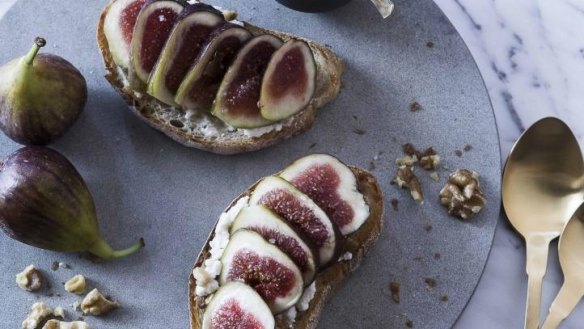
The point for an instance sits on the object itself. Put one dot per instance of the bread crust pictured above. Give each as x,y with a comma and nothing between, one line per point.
358,243
175,124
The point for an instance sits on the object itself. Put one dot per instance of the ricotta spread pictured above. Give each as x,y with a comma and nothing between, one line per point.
206,274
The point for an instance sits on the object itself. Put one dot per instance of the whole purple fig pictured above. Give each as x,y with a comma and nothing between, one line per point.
41,97
45,203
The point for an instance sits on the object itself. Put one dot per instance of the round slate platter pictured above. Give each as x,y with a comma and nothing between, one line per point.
144,184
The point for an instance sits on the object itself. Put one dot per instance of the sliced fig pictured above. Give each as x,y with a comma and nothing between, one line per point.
119,28
237,306
276,231
300,211
332,186
251,259
191,32
239,93
153,26
289,82
199,87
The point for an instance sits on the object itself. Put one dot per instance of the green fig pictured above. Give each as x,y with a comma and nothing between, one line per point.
45,203
41,97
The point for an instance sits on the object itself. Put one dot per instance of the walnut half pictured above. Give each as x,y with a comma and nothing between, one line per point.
462,194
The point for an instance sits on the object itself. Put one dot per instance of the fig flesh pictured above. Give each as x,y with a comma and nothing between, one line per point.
191,32
119,29
153,27
236,305
41,97
238,97
198,89
289,82
332,186
251,259
45,203
300,211
276,231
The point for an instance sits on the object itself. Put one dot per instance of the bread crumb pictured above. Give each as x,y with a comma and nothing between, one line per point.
394,204
415,107
444,298
394,288
409,323
431,282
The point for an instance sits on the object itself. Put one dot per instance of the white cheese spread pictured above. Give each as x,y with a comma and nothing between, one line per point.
206,274
307,296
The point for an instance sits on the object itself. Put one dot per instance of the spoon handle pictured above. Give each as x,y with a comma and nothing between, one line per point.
568,297
537,253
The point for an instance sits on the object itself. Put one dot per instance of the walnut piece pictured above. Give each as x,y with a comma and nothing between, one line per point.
76,285
38,313
56,324
429,159
30,279
96,304
462,194
405,178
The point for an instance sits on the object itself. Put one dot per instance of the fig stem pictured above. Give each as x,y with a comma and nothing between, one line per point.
103,250
38,44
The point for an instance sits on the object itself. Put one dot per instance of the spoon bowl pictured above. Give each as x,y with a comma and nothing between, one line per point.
543,184
572,262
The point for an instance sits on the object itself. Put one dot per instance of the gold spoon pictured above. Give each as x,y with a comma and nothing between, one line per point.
572,262
542,187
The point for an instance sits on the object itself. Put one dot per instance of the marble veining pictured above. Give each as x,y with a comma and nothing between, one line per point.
531,55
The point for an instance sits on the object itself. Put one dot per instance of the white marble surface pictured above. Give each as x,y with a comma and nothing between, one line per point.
531,55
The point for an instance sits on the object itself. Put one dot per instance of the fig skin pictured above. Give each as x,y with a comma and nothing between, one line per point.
41,97
45,203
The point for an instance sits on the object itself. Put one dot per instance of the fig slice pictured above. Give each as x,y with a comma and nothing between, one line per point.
238,97
332,186
199,87
276,231
300,211
236,305
251,259
289,81
153,27
191,32
119,29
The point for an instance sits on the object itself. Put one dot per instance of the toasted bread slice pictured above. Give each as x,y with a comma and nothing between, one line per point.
357,243
206,132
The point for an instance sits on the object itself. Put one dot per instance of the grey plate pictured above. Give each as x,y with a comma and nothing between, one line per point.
146,185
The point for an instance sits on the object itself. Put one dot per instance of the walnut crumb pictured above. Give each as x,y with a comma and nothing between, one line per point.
405,178
434,176
462,194
409,323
